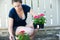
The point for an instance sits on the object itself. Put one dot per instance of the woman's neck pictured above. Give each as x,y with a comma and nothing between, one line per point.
20,13
19,10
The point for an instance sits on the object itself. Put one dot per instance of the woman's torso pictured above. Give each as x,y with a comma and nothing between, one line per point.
17,20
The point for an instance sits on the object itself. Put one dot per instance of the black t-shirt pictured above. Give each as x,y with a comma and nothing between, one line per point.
17,20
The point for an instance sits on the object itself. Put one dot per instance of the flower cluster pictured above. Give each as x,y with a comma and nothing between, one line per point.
23,36
39,19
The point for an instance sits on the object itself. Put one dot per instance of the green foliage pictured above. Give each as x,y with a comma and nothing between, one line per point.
23,36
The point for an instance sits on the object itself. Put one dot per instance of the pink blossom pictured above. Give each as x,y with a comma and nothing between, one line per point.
21,32
39,16
42,14
36,16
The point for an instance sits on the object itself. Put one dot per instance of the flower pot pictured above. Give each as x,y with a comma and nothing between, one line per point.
38,26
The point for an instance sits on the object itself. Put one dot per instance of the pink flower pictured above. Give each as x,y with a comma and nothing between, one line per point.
21,32
36,16
42,14
39,16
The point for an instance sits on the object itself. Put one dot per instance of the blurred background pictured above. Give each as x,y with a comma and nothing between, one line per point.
51,9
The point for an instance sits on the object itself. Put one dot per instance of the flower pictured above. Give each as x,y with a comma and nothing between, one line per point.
42,14
36,16
39,19
22,35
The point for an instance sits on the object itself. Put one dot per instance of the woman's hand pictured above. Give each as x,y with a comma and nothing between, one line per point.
11,37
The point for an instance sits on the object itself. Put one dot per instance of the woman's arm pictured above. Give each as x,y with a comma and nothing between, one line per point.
10,28
32,12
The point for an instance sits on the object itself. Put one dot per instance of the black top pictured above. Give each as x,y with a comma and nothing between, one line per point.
17,20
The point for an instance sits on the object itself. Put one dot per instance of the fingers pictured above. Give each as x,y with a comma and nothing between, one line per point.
11,37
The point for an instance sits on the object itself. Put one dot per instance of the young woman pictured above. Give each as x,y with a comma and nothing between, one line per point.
18,16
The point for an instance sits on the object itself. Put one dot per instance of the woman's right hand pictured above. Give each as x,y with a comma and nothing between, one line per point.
11,37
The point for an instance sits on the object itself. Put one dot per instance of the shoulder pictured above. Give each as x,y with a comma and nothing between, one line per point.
12,13
12,10
26,6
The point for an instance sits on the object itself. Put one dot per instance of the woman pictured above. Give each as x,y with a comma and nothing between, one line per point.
18,16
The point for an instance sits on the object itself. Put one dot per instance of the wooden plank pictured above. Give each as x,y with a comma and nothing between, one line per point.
3,28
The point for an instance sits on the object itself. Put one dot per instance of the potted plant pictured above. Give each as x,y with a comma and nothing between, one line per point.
39,21
22,36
